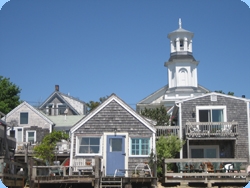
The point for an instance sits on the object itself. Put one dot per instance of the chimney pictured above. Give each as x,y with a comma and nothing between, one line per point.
243,96
56,87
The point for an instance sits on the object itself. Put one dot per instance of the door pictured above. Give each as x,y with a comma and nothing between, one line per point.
115,155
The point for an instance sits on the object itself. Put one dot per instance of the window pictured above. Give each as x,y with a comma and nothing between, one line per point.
181,43
211,114
24,118
204,151
140,146
61,109
31,136
89,145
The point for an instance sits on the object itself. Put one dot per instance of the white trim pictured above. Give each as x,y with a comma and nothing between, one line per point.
204,147
28,131
88,154
15,129
138,137
224,108
105,134
71,151
120,102
212,93
248,126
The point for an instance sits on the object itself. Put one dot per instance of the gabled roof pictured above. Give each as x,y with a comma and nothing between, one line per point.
32,109
63,97
214,93
113,97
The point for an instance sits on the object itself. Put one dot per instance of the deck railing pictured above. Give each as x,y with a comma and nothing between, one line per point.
206,170
167,130
211,129
62,147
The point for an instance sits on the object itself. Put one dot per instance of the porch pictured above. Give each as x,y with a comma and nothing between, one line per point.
208,171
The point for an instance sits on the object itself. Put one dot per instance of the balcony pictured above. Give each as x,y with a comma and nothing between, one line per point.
211,129
167,130
61,147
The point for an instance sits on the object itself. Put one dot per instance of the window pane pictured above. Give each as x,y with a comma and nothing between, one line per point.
116,144
94,141
85,141
197,153
217,115
84,149
94,149
204,116
210,153
24,118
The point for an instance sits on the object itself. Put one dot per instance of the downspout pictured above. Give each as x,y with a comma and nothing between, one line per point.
248,129
72,135
180,125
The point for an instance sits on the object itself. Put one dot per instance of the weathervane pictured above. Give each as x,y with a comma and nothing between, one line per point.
179,23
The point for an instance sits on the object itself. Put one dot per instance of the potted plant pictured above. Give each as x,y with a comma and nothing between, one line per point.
135,174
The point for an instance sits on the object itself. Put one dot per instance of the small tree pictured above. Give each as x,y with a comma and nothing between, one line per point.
9,95
91,105
46,150
167,147
160,115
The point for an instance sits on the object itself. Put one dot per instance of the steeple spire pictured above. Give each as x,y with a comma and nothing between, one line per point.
179,23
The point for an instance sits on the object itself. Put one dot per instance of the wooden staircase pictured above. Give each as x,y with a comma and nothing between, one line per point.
107,182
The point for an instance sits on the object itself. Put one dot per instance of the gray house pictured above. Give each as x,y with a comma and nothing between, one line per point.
214,125
116,133
28,125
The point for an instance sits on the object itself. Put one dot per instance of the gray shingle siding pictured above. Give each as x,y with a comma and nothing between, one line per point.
236,111
113,115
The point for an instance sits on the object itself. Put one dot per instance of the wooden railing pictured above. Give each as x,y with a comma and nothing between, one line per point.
167,130
211,129
62,147
206,174
9,175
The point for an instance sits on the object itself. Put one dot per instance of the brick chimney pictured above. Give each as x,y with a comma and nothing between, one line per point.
56,87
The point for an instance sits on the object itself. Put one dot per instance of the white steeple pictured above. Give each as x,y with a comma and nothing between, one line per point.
181,40
182,67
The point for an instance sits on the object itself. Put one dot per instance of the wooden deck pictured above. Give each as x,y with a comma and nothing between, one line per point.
206,176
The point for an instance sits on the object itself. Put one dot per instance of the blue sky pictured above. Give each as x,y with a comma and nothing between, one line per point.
93,48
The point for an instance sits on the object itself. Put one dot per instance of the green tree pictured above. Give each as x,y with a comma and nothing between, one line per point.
91,105
229,93
9,95
167,147
46,150
160,115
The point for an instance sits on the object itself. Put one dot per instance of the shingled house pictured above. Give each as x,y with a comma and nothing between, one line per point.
116,133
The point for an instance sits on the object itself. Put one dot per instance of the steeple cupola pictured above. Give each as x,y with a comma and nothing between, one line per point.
180,41
182,67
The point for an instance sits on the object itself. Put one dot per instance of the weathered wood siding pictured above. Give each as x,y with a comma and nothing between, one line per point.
35,122
236,111
114,116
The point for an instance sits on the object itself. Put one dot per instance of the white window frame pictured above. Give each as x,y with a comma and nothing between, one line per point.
204,147
48,108
224,108
27,119
88,154
28,131
130,146
57,108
